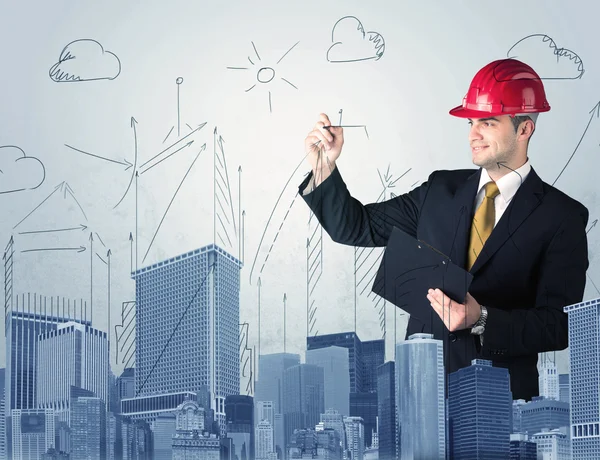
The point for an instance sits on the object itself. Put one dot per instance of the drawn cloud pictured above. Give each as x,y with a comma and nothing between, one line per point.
547,59
85,60
351,43
19,172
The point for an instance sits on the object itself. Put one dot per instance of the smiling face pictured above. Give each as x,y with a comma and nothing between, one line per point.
493,140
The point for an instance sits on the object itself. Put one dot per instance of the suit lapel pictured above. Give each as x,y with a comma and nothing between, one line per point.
528,197
461,211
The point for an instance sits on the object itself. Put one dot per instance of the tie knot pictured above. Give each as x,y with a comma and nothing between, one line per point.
491,190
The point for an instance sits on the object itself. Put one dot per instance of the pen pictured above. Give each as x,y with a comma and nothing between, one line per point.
344,126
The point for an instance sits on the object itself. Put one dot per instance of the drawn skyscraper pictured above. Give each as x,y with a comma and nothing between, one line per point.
187,316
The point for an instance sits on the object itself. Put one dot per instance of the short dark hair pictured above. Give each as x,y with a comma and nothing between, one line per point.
518,119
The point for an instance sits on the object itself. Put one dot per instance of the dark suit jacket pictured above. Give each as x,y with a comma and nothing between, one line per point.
533,264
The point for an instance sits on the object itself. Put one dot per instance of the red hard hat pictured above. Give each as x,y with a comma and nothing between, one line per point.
503,87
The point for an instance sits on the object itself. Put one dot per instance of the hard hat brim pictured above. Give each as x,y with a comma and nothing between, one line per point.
462,112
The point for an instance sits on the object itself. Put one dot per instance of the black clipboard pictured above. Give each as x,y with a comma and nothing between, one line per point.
410,267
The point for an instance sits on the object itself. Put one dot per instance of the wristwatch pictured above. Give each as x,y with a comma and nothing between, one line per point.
479,327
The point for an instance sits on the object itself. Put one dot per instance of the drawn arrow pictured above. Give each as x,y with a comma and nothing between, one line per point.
594,111
171,202
81,227
58,187
125,162
79,249
226,180
131,251
173,145
259,285
271,216
592,226
134,123
240,216
284,322
243,235
91,275
136,220
108,254
168,156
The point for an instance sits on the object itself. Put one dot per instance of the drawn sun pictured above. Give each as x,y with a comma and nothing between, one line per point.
266,74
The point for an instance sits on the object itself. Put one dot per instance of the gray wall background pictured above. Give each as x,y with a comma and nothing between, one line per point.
432,50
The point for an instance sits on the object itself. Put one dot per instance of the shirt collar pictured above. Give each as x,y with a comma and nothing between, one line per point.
509,183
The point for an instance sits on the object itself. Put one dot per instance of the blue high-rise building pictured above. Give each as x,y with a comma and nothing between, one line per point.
334,361
563,387
363,360
239,414
584,359
373,356
386,402
303,398
347,340
420,403
269,386
540,413
479,412
187,326
71,355
521,448
29,316
88,428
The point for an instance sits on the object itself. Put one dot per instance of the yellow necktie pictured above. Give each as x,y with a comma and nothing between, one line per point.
483,223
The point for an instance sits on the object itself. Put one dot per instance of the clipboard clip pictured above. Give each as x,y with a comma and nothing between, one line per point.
435,250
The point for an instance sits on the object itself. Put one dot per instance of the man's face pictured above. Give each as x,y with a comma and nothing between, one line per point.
492,140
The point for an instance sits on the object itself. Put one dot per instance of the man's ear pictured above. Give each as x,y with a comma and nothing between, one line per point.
526,129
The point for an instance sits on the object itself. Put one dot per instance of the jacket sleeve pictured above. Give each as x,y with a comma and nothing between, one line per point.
561,283
349,222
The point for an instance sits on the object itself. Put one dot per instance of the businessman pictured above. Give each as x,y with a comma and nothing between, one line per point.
523,240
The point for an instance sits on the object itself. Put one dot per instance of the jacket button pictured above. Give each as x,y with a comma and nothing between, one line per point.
452,337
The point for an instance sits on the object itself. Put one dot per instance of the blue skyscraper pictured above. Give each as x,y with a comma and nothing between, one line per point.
584,358
239,413
540,413
27,317
521,448
420,404
269,386
72,355
88,428
373,356
334,361
303,398
187,321
363,360
479,412
347,340
386,401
